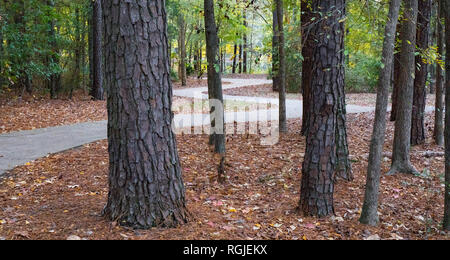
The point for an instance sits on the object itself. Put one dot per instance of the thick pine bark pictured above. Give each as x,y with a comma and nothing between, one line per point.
420,90
446,222
369,214
439,111
281,69
307,53
214,80
145,179
318,171
275,49
97,91
402,138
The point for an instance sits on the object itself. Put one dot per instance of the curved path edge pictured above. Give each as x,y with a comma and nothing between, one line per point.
18,148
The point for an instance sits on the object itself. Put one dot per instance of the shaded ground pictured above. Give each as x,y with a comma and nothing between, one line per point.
63,194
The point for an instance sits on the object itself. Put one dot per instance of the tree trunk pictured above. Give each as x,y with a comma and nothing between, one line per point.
343,166
420,89
439,111
145,180
240,58
24,79
234,59
244,54
54,80
307,53
214,80
2,78
318,171
446,222
369,214
396,72
275,49
402,139
97,91
77,53
282,68
182,48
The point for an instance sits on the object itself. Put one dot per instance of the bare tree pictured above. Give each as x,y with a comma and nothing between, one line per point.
369,214
401,161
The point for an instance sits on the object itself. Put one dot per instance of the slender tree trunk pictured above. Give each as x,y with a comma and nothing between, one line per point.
2,54
420,89
84,35
433,42
343,166
275,49
24,79
369,214
244,54
402,139
282,68
318,169
214,80
91,47
97,91
235,58
145,180
196,69
77,53
54,79
240,58
446,222
182,48
439,111
396,74
307,53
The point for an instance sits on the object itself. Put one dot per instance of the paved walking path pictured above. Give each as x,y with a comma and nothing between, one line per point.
18,148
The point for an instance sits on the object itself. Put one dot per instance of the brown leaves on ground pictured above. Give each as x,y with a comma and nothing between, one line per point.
41,113
62,195
193,82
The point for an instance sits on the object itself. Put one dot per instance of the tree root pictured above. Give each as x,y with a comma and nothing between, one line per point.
406,168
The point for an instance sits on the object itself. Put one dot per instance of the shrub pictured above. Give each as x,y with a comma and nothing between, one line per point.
362,73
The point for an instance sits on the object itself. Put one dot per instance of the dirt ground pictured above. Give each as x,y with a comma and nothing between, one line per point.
63,194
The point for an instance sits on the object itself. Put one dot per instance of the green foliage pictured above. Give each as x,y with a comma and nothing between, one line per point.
174,75
362,72
293,48
28,49
364,42
189,69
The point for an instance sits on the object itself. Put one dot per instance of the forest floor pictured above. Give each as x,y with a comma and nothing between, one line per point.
63,194
38,111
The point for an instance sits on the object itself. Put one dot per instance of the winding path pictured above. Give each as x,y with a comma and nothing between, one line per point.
18,148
